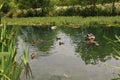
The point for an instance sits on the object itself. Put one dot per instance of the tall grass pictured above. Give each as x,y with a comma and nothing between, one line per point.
11,67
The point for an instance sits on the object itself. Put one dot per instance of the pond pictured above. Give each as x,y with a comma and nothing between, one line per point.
73,59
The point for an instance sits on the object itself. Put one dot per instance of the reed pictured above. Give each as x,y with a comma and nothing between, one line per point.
116,49
11,67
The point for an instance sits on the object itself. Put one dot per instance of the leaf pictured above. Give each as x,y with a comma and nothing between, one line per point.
1,6
4,53
117,38
4,76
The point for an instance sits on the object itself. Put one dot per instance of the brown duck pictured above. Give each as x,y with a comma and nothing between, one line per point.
33,55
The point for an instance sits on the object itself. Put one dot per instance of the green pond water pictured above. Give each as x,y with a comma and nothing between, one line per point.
73,60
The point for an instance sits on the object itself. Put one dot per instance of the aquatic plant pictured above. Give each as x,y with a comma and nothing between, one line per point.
11,67
1,5
116,49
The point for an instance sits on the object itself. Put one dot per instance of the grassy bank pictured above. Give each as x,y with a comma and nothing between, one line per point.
74,21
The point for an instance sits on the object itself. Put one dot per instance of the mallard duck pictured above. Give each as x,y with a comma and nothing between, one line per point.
90,36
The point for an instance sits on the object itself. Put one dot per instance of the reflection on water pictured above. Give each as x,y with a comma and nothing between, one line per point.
73,60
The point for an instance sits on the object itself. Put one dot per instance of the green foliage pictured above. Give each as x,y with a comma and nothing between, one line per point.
116,49
10,67
50,7
1,5
89,10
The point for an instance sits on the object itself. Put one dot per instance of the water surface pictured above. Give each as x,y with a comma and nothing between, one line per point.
73,60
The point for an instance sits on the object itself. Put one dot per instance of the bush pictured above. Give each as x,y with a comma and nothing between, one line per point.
89,10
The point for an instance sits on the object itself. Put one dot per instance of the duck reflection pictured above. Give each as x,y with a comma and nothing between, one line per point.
61,42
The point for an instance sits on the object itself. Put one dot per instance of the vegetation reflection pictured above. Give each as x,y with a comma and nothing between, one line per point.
92,54
40,37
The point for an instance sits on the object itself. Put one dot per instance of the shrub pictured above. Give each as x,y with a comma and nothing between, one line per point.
89,10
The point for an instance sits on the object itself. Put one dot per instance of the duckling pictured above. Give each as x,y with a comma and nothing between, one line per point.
33,55
61,42
53,27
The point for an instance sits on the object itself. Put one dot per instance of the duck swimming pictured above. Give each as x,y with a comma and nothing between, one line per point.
90,36
53,27
90,39
33,55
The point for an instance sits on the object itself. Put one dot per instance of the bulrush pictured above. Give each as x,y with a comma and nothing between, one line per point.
4,44
8,38
1,25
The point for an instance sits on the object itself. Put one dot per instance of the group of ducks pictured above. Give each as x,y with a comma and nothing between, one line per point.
57,38
90,40
33,55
